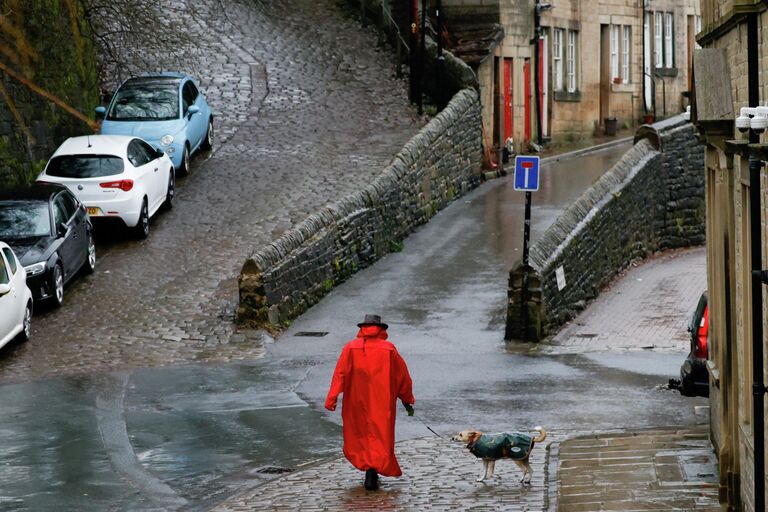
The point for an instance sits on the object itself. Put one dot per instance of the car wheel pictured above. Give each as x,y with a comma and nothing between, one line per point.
90,262
170,193
208,140
58,286
184,167
142,228
26,331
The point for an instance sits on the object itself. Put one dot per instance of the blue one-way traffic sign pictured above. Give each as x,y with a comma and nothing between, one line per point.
527,173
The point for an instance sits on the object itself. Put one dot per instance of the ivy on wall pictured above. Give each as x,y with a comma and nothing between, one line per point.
50,72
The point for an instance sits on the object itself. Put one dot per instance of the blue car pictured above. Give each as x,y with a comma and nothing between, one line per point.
167,110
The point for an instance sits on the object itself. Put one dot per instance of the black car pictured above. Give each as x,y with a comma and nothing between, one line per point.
694,377
51,234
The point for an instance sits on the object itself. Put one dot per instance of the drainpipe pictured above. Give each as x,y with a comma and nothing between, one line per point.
537,10
758,386
423,56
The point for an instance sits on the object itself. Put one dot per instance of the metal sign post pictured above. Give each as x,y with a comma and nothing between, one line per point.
527,180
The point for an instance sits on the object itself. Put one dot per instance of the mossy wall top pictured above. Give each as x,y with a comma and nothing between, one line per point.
48,43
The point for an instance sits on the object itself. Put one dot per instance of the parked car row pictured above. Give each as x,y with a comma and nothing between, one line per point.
15,298
151,127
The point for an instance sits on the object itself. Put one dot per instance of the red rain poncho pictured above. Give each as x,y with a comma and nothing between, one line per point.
372,376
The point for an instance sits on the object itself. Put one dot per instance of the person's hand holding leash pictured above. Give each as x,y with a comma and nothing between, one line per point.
409,408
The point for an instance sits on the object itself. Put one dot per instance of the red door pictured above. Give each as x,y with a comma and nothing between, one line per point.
508,121
527,98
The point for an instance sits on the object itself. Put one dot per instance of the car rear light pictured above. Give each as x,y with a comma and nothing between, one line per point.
701,347
701,335
124,185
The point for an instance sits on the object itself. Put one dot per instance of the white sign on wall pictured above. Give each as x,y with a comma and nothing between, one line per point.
560,276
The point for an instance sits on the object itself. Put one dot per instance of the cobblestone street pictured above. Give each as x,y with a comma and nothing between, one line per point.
306,109
437,475
657,469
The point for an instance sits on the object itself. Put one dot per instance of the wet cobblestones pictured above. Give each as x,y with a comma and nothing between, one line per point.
651,469
437,475
307,110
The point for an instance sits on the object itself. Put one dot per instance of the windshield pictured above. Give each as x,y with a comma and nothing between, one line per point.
145,102
84,166
24,219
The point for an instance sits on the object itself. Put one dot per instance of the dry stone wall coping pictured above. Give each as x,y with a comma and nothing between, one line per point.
280,281
651,200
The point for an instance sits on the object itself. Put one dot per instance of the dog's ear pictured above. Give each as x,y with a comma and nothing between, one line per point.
472,437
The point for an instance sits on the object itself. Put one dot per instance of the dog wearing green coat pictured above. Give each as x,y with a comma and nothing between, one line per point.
492,447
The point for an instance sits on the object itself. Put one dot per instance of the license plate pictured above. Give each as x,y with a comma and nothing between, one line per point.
93,211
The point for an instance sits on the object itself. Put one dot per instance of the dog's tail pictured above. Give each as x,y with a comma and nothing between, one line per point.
542,435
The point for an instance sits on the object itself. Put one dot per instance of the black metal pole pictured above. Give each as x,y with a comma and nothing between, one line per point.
440,94
526,244
537,70
758,386
413,53
422,56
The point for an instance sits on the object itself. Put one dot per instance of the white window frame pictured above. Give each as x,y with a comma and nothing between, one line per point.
697,29
557,58
626,53
614,52
571,62
658,39
669,40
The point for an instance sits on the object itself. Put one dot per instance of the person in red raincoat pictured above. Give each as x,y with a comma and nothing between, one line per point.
372,376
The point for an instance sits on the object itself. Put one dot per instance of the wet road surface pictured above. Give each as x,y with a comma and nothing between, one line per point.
190,436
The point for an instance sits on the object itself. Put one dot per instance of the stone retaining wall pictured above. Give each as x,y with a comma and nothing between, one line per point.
442,162
652,199
48,46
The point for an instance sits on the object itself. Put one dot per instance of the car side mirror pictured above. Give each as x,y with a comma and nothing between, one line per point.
101,112
61,230
193,109
4,288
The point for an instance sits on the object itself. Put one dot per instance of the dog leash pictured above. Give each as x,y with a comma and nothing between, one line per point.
428,427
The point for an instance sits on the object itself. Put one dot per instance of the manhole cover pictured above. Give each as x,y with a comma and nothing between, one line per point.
273,470
311,334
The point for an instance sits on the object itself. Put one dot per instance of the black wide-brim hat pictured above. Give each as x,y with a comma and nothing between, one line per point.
373,320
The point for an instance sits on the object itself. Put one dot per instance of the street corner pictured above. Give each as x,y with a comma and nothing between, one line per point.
438,474
652,469
646,308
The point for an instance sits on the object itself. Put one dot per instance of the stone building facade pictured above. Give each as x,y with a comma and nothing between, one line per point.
598,59
721,87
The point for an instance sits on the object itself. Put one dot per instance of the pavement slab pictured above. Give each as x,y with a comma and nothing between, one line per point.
647,308
655,469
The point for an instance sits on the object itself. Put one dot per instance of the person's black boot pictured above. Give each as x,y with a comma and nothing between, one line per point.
371,480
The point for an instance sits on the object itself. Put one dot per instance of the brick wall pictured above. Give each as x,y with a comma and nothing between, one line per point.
442,162
649,201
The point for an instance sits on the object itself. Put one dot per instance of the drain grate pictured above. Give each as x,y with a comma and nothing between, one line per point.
311,334
273,470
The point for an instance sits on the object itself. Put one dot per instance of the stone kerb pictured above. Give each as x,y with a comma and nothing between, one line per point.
649,201
442,162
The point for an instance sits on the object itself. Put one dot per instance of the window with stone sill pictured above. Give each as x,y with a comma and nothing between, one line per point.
571,62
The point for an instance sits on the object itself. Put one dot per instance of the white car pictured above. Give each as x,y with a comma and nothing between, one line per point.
115,177
15,298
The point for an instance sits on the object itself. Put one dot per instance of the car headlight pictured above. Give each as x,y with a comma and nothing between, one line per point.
37,268
166,140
